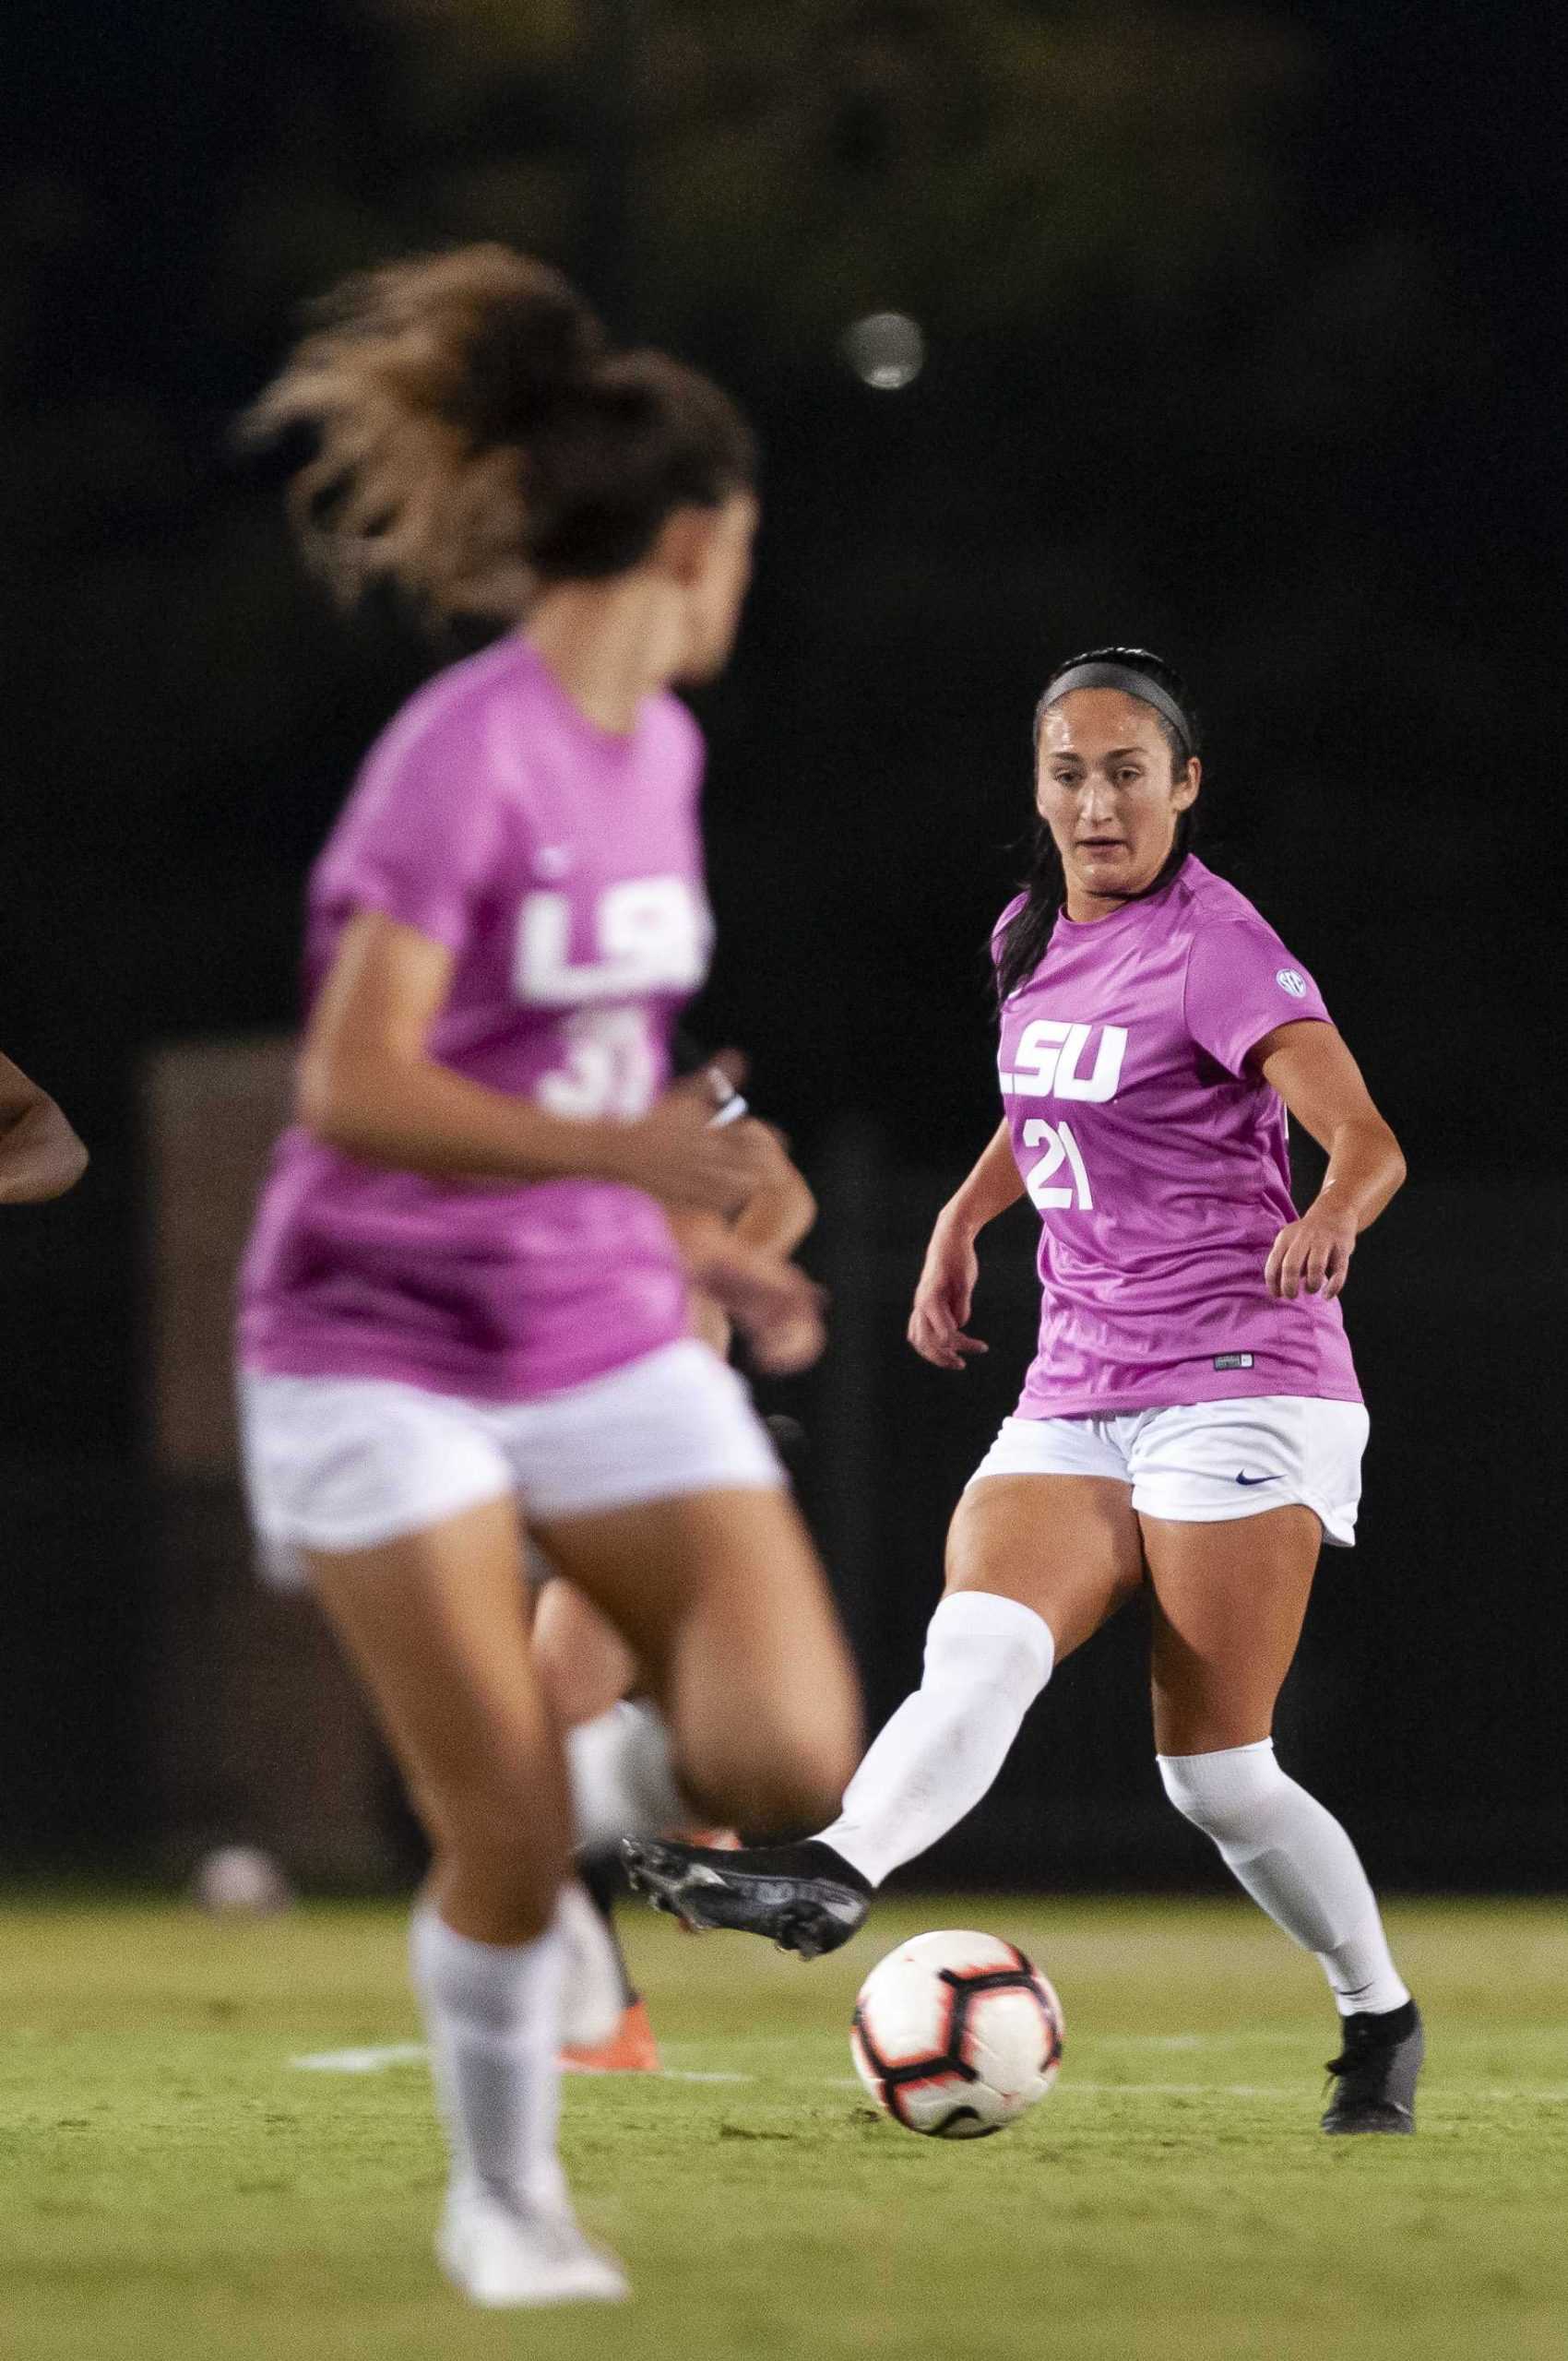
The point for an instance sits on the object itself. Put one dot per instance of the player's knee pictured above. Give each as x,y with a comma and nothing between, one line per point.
583,1663
579,1692
979,1642
1228,1794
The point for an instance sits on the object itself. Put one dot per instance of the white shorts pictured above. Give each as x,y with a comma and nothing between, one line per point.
1206,1462
344,1463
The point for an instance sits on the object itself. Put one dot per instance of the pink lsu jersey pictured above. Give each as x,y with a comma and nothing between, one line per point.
560,865
1157,1158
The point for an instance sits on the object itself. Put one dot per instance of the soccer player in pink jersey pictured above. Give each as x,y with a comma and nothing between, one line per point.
1192,1418
462,1305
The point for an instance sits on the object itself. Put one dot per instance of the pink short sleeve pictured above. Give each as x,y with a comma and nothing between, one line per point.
1242,985
999,932
417,838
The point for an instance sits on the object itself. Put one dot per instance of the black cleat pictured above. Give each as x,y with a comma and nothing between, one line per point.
803,1897
1377,2069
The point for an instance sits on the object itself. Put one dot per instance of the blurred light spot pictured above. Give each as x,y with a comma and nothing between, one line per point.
885,349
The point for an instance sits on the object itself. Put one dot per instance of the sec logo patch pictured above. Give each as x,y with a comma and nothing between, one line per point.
1290,982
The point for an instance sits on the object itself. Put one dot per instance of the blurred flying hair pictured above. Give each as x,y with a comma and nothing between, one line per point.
1029,931
476,436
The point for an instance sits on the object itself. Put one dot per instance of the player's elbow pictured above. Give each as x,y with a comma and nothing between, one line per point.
1396,1169
1380,1157
56,1174
333,1100
42,1157
70,1164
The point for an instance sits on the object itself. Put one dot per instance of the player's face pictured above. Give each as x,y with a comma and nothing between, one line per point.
717,585
1106,789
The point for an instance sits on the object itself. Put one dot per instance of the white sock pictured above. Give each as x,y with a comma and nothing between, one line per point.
1295,1860
492,2012
986,1661
622,1777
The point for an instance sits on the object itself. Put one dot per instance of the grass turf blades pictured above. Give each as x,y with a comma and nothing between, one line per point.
175,2185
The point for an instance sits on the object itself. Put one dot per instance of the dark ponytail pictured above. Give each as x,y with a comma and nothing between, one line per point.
1138,674
476,434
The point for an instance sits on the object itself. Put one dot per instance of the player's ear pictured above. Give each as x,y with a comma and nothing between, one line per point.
1184,793
684,543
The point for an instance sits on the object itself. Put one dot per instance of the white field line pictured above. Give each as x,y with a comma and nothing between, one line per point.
414,2053
362,2061
670,2074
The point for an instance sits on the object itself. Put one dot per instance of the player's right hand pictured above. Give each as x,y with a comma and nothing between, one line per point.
943,1298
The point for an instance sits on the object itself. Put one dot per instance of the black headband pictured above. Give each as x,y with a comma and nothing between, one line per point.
1133,684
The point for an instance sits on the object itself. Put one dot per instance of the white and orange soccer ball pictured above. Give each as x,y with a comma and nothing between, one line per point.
957,2034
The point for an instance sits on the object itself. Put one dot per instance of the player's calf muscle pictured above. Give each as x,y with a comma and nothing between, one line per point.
744,1656
769,1780
774,1750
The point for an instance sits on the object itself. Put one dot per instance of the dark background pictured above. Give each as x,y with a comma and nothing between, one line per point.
1245,340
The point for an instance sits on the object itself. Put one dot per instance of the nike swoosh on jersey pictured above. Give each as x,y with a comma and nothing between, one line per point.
1250,1480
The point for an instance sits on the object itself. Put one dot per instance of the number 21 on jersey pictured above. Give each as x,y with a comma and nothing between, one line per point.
1046,1194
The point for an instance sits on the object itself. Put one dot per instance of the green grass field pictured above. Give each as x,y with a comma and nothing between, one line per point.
176,2183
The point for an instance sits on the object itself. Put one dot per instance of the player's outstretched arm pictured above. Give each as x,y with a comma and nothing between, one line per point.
40,1155
368,1086
946,1285
1322,1085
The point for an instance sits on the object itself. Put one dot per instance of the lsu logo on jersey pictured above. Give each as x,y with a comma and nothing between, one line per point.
650,934
1053,1060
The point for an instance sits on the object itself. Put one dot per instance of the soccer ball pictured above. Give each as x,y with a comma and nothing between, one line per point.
956,2033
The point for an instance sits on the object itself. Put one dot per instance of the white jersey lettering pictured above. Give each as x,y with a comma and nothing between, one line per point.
1061,1148
1048,1058
651,935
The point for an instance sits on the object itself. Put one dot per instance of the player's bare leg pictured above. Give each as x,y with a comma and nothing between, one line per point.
584,1663
721,1599
1035,1565
1065,1546
751,1672
1229,1601
587,1671
436,1625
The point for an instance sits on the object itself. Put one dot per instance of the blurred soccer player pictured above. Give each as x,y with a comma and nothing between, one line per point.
462,1305
40,1155
1192,1419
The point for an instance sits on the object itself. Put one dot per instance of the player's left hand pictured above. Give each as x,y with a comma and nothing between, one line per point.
1311,1256
778,1310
